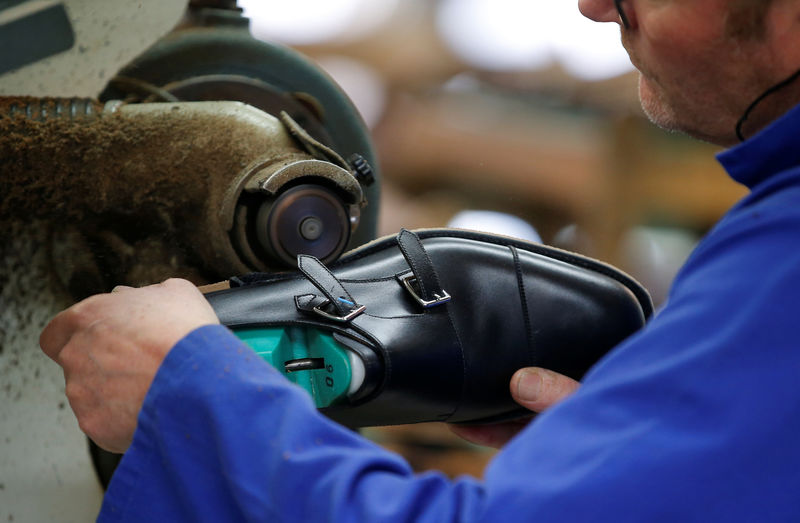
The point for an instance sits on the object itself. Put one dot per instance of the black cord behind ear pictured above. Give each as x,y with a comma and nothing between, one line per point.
760,99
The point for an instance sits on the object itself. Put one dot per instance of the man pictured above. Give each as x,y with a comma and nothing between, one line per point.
693,418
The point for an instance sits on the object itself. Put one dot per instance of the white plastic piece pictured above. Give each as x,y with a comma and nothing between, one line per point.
108,34
495,222
357,372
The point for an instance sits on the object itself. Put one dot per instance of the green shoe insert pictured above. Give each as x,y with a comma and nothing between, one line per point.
309,358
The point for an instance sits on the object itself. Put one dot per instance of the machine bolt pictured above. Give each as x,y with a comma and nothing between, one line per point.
311,228
362,168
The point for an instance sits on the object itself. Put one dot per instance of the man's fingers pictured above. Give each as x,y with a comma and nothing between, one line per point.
535,389
110,347
57,333
538,389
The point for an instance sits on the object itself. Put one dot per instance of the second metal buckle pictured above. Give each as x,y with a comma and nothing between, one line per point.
438,299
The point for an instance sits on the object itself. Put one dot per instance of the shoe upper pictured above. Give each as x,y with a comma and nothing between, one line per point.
443,318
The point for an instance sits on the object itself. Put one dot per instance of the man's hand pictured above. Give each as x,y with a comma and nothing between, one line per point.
110,347
533,388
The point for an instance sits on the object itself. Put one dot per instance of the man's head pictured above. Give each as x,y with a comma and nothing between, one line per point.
703,62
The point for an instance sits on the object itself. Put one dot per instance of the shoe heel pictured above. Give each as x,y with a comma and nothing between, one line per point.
311,359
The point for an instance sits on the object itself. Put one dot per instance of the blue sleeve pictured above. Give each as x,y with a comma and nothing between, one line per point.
694,418
224,437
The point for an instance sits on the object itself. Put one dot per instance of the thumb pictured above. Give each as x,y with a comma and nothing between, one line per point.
539,389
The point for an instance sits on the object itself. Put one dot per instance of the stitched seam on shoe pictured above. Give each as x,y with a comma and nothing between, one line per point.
524,302
370,280
394,317
268,279
463,364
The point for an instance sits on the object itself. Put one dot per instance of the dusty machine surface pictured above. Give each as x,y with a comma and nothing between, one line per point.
209,154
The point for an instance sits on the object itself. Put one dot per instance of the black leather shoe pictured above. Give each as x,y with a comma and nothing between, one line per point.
437,321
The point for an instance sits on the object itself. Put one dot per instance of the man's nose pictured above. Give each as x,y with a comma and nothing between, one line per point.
599,10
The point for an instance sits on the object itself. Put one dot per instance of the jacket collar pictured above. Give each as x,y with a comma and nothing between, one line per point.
775,149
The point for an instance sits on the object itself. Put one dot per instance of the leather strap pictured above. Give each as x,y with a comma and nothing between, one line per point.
327,283
430,290
307,302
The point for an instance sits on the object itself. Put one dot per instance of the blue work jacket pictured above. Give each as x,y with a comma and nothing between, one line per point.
694,418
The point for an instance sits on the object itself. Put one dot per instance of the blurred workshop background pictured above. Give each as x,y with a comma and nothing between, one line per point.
514,116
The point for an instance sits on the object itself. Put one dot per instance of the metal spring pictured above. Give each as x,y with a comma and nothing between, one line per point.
48,108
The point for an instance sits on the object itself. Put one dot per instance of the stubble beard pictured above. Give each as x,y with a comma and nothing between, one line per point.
688,108
654,106
681,116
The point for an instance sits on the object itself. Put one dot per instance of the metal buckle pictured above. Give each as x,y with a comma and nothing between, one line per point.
438,299
349,316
